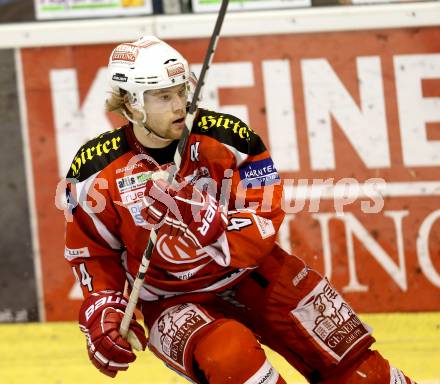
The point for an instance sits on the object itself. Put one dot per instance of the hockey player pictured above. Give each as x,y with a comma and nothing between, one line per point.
218,284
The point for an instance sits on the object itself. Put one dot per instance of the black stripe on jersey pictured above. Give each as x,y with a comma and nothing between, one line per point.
229,130
97,153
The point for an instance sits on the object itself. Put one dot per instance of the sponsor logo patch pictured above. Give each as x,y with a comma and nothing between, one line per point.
103,301
125,53
86,154
171,333
128,169
132,182
135,212
265,375
73,253
265,226
130,197
261,172
300,276
186,275
237,126
120,77
329,320
175,70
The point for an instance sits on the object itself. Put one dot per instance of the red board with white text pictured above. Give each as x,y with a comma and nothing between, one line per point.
339,111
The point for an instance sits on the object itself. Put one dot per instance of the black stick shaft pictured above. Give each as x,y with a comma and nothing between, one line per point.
137,285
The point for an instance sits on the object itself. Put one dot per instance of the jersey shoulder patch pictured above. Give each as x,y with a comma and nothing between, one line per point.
229,130
97,153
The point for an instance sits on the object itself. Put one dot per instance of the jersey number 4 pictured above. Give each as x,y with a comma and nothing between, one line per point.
237,223
85,279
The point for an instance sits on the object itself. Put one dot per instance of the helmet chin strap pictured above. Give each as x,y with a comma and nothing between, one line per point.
156,135
144,125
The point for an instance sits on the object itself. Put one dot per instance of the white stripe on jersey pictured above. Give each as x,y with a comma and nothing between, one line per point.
150,293
240,157
219,251
81,189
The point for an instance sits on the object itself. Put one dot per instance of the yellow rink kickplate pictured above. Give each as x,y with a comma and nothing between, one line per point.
55,353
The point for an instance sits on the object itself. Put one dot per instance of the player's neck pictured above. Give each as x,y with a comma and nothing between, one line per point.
149,140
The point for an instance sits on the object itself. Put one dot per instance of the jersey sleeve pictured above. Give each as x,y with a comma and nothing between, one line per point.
92,246
252,191
254,210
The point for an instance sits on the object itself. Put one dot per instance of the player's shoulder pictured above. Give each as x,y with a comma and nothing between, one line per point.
98,153
229,130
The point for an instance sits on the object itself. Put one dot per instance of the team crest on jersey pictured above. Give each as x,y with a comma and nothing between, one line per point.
178,251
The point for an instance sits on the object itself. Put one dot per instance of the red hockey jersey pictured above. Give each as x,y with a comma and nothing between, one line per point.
106,234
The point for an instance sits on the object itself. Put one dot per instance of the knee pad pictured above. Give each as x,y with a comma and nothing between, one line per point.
228,352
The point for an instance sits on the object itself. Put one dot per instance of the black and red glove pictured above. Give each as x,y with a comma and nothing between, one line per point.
100,317
184,211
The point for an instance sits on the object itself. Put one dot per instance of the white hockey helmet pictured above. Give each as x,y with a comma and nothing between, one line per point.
146,64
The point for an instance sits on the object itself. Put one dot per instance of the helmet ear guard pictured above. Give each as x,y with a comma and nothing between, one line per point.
131,120
133,100
121,107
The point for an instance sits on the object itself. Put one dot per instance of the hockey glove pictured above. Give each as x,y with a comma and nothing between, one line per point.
100,317
185,211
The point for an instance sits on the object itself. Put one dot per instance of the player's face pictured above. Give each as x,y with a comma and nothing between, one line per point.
166,110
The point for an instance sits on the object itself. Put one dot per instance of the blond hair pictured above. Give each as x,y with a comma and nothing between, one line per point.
116,103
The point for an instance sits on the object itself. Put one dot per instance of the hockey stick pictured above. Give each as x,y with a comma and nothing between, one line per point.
137,285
